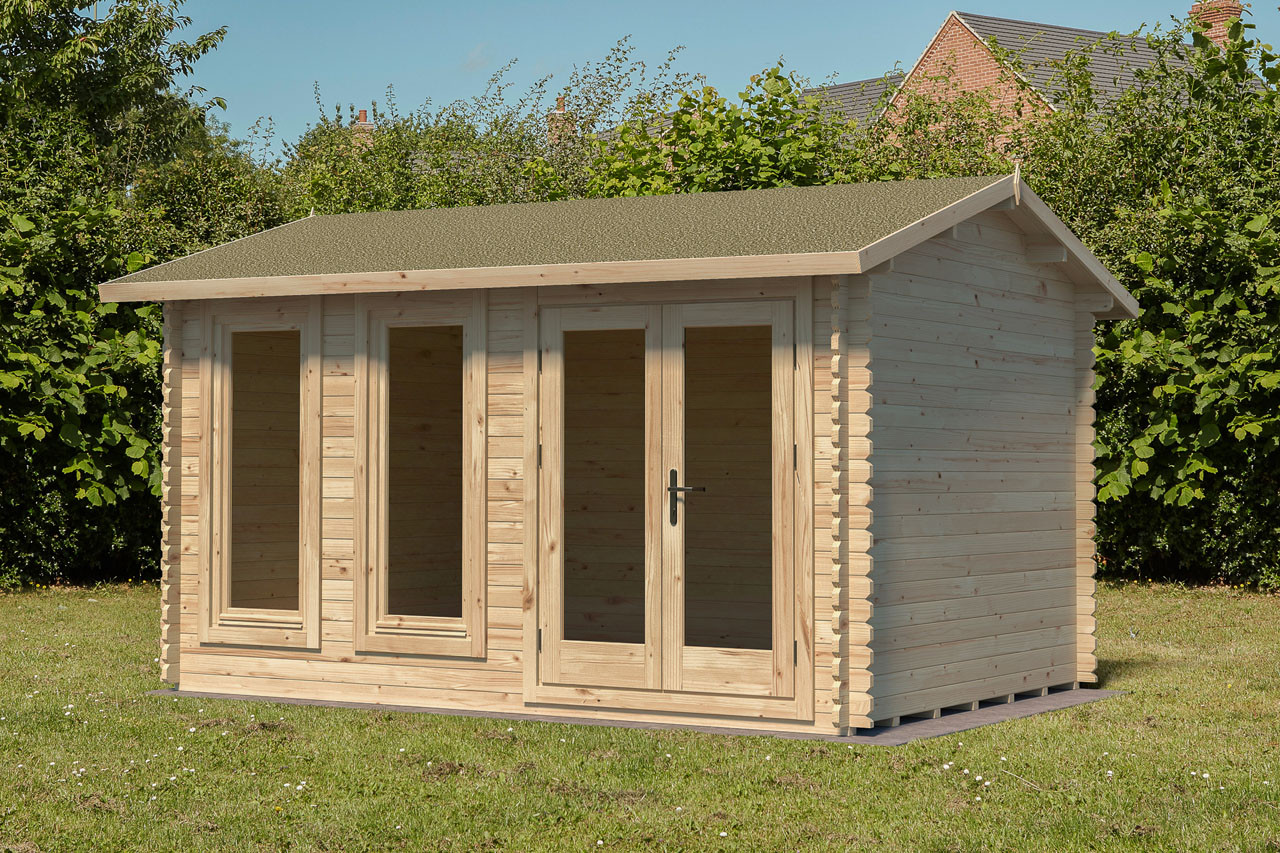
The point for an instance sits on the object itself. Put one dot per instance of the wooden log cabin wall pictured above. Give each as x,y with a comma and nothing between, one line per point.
805,490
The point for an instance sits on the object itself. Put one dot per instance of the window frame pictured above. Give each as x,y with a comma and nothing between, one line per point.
375,629
220,623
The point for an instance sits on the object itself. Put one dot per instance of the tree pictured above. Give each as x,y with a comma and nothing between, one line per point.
214,190
489,149
775,137
1176,185
84,104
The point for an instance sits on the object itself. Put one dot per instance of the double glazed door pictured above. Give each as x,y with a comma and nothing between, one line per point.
668,459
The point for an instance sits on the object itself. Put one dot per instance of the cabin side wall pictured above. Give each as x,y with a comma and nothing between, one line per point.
502,680
975,483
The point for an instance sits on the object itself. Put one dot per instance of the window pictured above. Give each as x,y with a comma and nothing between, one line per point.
420,438
260,526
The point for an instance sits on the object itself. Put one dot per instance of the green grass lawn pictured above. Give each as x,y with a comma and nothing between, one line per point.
1189,760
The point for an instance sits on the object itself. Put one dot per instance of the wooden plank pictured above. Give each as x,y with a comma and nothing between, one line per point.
1053,321
960,354
975,443
969,264
1037,399
950,695
923,524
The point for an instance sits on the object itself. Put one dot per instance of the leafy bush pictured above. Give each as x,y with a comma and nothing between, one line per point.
489,149
84,105
106,165
1177,187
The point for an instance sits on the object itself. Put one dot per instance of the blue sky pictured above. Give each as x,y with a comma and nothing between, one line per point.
276,50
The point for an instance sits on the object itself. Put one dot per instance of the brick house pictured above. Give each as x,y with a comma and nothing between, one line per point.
967,49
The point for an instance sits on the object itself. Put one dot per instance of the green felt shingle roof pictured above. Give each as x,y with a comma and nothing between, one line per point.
795,220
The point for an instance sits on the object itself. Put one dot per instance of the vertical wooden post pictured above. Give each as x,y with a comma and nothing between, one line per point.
171,493
1086,566
859,588
851,506
839,508
532,485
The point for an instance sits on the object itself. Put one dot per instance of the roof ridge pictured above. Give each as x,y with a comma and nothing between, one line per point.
1060,27
889,76
612,199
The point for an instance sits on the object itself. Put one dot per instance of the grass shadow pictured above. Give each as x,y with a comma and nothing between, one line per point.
1111,670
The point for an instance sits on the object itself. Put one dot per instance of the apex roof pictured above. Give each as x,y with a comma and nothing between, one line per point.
791,220
1038,46
794,231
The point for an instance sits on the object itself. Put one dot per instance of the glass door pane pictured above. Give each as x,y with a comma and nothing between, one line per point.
604,486
728,556
424,471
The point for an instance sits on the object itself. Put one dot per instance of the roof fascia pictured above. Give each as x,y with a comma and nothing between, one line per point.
1031,210
1034,216
905,239
603,272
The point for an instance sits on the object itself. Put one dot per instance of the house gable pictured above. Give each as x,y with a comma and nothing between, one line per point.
957,56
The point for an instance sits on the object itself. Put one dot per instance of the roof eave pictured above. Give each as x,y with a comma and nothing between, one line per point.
545,275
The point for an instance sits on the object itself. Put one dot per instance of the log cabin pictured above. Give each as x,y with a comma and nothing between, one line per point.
789,460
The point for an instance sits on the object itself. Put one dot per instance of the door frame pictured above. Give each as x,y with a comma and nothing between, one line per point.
685,666
576,661
800,706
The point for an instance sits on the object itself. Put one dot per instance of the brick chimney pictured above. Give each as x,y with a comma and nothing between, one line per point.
560,123
363,129
1217,15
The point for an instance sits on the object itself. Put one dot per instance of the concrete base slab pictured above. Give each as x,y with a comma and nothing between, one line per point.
921,729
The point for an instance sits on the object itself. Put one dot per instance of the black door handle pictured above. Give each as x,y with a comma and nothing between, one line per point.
674,490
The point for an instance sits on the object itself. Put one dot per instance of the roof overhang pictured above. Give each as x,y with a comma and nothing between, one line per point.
1032,214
